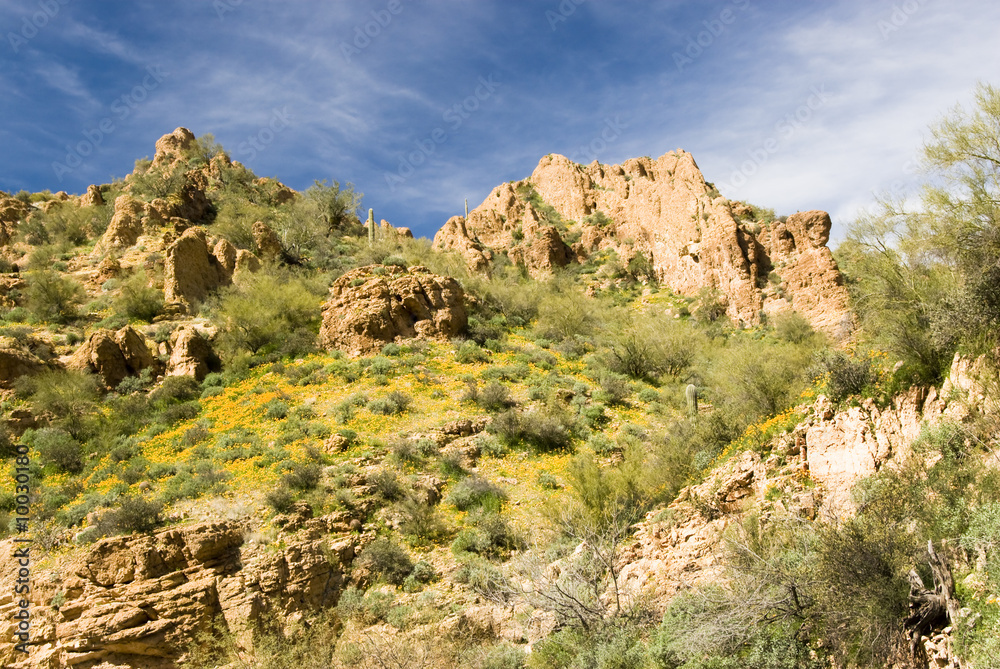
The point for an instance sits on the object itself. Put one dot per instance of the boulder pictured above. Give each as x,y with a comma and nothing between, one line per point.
12,212
126,223
372,306
192,271
225,253
171,148
246,262
113,355
93,197
544,252
191,354
266,241
16,362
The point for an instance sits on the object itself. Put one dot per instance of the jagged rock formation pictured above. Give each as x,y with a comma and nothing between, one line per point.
662,209
12,212
139,601
455,236
372,306
171,149
15,362
191,354
126,224
93,197
192,270
113,356
266,240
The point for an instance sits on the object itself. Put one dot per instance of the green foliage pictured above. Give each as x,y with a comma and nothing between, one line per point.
845,375
133,514
137,299
53,297
268,312
59,448
394,403
474,492
384,558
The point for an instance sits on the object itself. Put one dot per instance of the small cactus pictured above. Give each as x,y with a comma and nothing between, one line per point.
466,208
691,394
371,227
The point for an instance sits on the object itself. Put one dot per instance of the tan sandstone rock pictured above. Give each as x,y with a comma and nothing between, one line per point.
191,354
113,355
12,212
372,306
126,223
171,148
454,236
665,210
192,271
93,197
266,240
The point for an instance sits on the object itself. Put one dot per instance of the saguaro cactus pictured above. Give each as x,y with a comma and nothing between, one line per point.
466,208
371,227
691,394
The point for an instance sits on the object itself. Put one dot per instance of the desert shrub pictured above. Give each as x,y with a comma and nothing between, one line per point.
615,389
846,375
52,297
280,499
303,476
70,397
516,372
134,514
495,397
472,492
346,408
268,312
420,522
192,481
57,447
646,345
276,410
567,315
756,378
394,403
385,483
137,299
489,536
385,559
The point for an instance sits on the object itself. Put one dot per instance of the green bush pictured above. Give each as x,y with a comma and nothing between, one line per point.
472,492
303,476
137,299
495,397
394,403
134,514
52,297
385,559
57,447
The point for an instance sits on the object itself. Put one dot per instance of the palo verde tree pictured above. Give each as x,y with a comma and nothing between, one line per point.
926,280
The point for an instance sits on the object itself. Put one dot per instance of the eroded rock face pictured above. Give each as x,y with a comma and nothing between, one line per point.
138,601
113,356
12,212
191,354
372,306
454,236
171,148
192,271
126,223
93,197
16,362
266,240
663,209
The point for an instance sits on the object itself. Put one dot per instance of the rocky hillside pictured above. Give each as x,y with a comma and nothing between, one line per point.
660,213
608,420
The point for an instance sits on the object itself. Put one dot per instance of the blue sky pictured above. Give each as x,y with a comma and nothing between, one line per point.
790,104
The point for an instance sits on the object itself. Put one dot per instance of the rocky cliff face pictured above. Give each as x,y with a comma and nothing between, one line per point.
664,210
139,601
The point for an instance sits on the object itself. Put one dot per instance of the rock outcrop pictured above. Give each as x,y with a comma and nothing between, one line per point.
191,354
15,362
93,197
455,236
12,212
664,210
192,271
126,223
114,356
171,149
138,601
372,306
266,241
